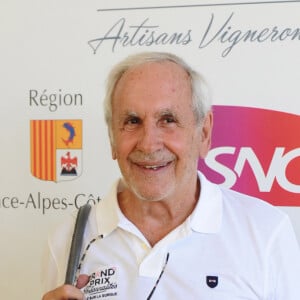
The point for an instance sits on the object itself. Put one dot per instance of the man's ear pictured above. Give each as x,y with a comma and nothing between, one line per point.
112,146
113,153
113,149
206,131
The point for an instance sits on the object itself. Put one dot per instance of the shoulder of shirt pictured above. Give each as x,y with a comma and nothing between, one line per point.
252,208
243,203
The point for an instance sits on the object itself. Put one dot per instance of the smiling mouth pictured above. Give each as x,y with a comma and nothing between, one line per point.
154,167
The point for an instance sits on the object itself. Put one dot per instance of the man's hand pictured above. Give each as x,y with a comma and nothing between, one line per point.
64,292
67,292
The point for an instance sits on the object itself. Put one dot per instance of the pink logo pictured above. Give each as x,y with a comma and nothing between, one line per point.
257,152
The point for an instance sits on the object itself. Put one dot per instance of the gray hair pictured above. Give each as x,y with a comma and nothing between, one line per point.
200,93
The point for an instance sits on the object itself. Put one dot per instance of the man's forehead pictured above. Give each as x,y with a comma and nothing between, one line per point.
152,70
153,90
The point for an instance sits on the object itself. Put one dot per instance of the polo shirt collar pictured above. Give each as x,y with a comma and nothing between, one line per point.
207,215
109,206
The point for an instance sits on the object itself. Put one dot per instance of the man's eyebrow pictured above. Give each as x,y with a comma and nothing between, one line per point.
160,113
126,115
166,112
129,113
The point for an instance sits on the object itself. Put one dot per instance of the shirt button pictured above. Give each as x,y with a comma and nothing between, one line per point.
144,246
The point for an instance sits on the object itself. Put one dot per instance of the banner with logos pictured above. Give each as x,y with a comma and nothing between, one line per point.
55,153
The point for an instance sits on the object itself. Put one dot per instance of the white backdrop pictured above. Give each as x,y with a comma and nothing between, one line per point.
54,50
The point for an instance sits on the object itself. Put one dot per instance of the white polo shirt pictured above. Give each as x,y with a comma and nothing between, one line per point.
231,247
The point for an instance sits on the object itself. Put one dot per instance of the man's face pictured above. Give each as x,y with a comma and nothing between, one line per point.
156,140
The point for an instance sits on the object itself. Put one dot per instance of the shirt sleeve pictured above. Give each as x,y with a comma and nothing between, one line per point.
49,270
283,264
56,253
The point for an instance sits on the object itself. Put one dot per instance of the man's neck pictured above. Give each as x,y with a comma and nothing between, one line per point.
155,219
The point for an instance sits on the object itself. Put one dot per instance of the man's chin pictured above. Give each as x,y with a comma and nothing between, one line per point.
146,192
149,196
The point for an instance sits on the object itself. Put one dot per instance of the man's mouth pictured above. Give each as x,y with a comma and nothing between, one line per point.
153,167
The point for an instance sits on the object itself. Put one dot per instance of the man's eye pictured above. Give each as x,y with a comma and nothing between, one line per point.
131,123
168,119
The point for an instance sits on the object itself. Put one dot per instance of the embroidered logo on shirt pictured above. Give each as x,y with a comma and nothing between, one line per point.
212,281
102,284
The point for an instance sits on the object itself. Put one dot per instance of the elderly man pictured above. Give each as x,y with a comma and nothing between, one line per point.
164,231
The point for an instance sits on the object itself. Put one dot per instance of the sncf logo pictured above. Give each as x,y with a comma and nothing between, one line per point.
257,152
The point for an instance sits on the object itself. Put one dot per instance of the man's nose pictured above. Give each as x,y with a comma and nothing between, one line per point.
150,138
